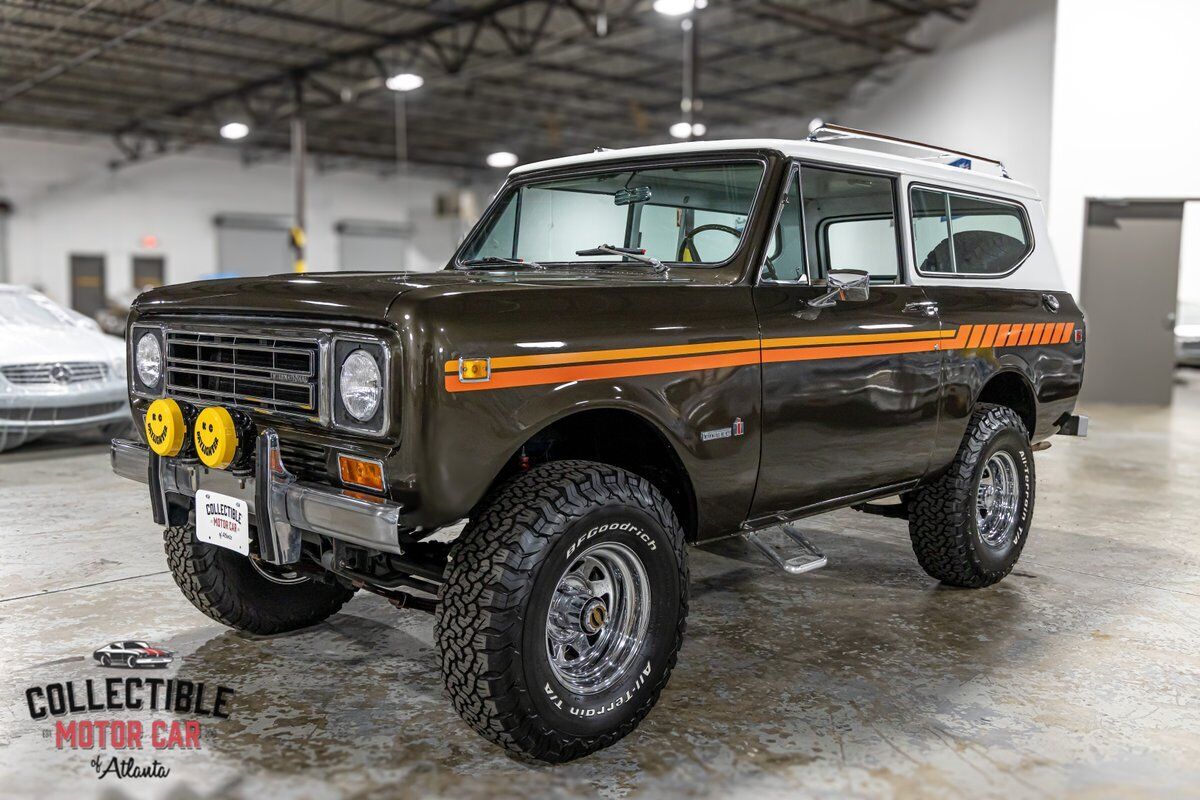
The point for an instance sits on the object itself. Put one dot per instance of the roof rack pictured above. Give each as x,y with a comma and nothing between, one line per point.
830,133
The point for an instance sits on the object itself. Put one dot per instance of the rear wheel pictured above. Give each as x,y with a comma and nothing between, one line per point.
969,525
235,591
563,609
105,661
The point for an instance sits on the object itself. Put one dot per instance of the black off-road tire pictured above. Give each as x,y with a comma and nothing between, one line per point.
491,618
224,585
942,521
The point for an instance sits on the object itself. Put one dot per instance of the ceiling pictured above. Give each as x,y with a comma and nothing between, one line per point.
539,78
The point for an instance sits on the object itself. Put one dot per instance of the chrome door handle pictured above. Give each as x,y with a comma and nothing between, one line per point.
926,308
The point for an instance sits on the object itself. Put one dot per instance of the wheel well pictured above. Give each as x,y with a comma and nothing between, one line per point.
622,439
1011,389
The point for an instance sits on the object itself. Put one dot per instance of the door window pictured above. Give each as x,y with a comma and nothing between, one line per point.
850,223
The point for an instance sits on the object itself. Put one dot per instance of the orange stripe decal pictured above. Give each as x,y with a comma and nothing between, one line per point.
558,368
960,339
591,372
847,351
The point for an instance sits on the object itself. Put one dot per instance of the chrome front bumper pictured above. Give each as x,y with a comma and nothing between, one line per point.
291,507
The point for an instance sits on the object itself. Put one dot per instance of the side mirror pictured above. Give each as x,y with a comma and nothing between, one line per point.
849,285
852,285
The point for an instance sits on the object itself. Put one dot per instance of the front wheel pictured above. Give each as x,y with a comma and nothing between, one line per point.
969,525
237,592
563,609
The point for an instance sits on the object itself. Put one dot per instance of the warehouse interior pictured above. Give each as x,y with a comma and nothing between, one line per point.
148,143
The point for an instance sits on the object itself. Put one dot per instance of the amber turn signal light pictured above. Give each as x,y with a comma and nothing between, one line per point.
471,370
361,472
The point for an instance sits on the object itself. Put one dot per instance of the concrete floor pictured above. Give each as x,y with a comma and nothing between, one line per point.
1077,676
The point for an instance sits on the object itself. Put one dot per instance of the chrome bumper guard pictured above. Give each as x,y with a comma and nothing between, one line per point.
291,507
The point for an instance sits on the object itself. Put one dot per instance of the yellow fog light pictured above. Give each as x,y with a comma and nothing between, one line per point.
165,430
216,438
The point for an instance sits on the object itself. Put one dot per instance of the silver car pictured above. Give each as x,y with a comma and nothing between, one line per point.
58,372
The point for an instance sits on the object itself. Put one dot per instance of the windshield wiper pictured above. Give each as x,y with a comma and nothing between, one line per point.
492,260
635,253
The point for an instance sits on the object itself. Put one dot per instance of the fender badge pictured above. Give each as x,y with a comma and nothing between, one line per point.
738,428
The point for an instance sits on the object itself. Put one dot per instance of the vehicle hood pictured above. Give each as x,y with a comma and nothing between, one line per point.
154,651
29,344
359,295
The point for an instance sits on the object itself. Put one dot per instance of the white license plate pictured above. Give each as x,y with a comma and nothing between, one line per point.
223,520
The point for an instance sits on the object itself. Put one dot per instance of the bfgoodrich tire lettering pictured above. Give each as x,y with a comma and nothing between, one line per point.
943,522
225,586
492,619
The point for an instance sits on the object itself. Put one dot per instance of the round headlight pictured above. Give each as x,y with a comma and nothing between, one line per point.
149,360
360,385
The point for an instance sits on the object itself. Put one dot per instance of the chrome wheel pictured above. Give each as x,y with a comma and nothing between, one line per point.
997,499
277,574
598,617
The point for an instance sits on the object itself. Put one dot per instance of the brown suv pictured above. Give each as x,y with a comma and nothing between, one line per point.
632,351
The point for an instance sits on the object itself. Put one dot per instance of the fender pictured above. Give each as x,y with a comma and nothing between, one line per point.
458,438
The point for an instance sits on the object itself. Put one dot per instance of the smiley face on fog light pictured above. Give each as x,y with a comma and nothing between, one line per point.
215,436
164,427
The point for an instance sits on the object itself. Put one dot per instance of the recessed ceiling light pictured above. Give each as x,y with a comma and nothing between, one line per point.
675,8
682,130
235,130
502,160
405,82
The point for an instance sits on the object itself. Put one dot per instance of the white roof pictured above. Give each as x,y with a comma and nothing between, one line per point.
943,174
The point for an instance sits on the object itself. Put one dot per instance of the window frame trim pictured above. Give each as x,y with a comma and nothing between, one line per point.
1022,213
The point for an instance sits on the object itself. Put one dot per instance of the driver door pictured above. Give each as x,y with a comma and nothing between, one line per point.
850,390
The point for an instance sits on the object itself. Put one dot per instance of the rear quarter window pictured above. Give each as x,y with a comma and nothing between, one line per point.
967,235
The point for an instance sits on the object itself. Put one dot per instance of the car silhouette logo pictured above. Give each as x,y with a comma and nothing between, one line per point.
60,373
133,654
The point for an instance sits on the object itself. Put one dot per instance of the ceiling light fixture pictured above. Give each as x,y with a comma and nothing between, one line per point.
675,8
502,160
235,130
405,82
684,130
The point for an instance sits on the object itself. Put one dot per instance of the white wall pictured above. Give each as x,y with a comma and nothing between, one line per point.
66,201
1126,120
986,89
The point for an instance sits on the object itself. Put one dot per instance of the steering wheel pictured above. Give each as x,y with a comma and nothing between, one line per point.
689,243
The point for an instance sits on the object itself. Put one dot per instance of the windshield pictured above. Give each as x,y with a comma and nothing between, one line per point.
692,215
19,308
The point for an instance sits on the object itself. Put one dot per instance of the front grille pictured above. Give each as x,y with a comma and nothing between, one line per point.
60,414
305,461
262,373
59,372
